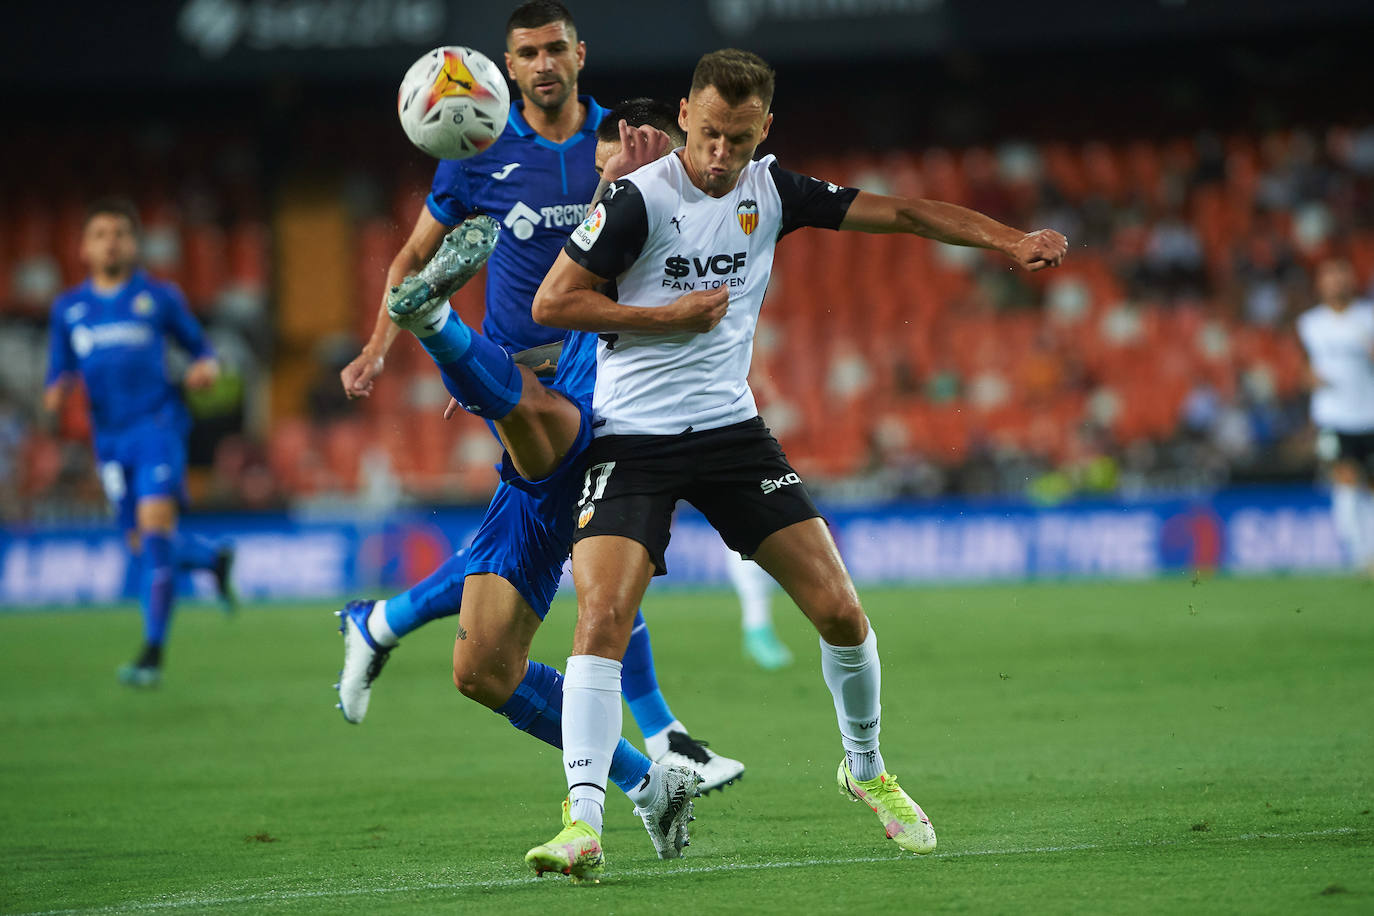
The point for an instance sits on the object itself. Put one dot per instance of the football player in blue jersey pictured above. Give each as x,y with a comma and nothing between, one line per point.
110,332
536,180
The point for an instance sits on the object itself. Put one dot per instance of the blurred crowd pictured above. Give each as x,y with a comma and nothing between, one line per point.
1159,357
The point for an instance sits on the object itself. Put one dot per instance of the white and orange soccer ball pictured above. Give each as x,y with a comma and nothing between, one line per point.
453,102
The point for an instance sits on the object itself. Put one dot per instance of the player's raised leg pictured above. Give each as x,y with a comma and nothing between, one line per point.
803,559
537,426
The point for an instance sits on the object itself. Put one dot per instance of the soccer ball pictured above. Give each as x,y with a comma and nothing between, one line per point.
453,102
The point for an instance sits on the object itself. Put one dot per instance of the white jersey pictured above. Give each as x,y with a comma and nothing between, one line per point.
659,237
1340,349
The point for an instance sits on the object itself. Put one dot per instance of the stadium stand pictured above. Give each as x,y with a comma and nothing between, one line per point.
1160,355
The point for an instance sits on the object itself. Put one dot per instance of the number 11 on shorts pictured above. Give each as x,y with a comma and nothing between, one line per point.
593,488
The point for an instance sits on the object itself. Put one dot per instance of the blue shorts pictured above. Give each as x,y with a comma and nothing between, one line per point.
148,461
527,531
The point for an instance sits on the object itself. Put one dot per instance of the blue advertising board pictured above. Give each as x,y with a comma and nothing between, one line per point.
281,556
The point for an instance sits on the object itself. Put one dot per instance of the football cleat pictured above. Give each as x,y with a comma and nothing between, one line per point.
716,772
903,820
763,646
419,303
575,852
667,816
223,571
140,675
144,671
363,661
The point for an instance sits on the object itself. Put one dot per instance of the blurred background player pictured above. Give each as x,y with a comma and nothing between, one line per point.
1338,334
111,332
540,168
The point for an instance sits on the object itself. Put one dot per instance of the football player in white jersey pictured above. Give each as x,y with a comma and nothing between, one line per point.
1338,335
689,241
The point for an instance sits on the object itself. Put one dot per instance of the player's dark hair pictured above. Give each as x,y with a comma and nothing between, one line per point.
737,75
638,113
536,13
112,206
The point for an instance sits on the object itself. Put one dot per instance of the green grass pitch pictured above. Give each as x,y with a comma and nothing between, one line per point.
1081,748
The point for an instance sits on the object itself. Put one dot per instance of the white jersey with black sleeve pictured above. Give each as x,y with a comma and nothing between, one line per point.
1340,349
659,237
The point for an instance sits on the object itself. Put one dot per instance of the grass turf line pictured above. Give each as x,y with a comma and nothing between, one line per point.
1155,729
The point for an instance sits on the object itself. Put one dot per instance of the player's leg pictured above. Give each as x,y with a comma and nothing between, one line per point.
491,666
538,426
805,562
781,528
193,552
611,572
611,575
1349,497
117,478
156,519
753,587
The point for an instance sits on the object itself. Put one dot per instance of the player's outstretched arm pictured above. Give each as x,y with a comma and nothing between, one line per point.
424,240
954,225
568,298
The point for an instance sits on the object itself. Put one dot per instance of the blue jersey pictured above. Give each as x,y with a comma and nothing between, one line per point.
116,342
538,190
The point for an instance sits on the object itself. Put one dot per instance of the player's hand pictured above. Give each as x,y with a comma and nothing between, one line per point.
53,396
451,409
1040,249
638,147
202,373
698,311
357,376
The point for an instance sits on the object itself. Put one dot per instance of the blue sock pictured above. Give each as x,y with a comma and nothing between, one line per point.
478,373
639,683
159,587
536,708
194,551
437,595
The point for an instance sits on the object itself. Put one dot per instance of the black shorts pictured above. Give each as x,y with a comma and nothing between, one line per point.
1357,448
737,476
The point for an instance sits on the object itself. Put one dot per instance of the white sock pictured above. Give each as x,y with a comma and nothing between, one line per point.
752,585
378,628
854,677
1366,524
591,730
656,745
1345,513
647,790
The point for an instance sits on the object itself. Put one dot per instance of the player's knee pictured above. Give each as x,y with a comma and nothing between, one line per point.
486,687
842,621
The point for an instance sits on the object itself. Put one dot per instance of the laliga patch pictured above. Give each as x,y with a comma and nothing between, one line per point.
748,214
586,516
585,235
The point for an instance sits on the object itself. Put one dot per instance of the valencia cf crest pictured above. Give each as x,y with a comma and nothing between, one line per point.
143,304
585,515
748,214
